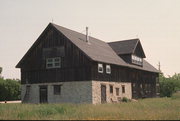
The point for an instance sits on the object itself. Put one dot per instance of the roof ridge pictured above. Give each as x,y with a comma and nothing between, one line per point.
98,50
76,32
136,45
124,40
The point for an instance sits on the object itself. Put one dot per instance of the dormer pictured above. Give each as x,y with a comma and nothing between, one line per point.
130,51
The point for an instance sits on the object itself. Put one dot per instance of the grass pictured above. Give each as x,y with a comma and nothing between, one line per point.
152,109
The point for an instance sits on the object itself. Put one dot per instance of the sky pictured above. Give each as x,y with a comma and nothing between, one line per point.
155,22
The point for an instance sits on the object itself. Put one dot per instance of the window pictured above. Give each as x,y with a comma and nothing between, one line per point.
100,68
108,69
123,88
134,85
53,62
117,91
141,86
137,60
57,89
111,88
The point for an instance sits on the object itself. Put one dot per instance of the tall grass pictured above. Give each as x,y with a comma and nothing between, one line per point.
154,108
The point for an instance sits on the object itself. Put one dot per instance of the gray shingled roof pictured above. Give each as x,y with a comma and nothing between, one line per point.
125,46
100,51
96,49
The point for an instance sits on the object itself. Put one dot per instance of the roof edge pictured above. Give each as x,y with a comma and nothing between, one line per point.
123,40
33,45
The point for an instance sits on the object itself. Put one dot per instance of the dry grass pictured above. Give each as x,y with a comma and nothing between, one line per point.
154,108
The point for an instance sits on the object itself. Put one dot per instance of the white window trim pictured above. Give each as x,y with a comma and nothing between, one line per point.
108,67
136,60
53,62
100,65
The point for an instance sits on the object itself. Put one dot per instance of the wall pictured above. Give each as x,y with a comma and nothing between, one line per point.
96,89
34,93
75,65
71,92
79,92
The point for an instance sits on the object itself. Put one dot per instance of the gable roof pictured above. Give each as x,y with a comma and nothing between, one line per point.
126,46
96,49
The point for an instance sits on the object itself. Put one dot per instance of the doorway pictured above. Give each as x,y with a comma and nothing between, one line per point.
43,94
103,94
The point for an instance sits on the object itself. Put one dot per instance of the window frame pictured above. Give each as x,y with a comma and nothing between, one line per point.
55,88
53,62
100,66
111,89
108,67
117,91
123,89
136,60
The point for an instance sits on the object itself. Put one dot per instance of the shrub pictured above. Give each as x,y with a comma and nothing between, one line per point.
167,88
9,89
125,99
169,85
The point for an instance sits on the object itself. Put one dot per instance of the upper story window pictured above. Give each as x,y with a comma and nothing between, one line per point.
108,69
100,68
53,62
137,60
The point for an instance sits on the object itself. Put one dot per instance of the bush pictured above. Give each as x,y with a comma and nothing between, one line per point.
125,99
167,88
9,89
169,85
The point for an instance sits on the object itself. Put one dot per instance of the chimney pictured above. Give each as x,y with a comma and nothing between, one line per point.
87,36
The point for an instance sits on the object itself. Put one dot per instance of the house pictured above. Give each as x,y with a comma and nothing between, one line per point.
70,67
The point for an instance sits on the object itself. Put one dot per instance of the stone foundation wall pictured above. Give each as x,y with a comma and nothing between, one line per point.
96,89
78,92
33,95
71,92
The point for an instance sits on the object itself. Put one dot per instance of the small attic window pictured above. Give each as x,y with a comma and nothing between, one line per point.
108,69
137,60
100,68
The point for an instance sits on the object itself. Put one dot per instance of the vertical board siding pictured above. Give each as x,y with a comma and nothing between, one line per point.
136,77
74,64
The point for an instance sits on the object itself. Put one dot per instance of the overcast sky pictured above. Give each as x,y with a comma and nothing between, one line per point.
155,22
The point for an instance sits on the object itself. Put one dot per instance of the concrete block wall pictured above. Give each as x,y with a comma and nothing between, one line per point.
78,92
33,95
71,92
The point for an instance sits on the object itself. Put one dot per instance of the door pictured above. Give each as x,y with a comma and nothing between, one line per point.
103,93
43,94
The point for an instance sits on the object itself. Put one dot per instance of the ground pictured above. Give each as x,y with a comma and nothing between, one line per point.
152,108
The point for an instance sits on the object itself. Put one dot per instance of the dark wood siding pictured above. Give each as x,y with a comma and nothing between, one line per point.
75,66
139,51
143,82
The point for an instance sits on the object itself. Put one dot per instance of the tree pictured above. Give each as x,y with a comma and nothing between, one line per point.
169,85
9,89
0,71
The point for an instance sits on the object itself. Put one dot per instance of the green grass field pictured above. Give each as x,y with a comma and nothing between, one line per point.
154,108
